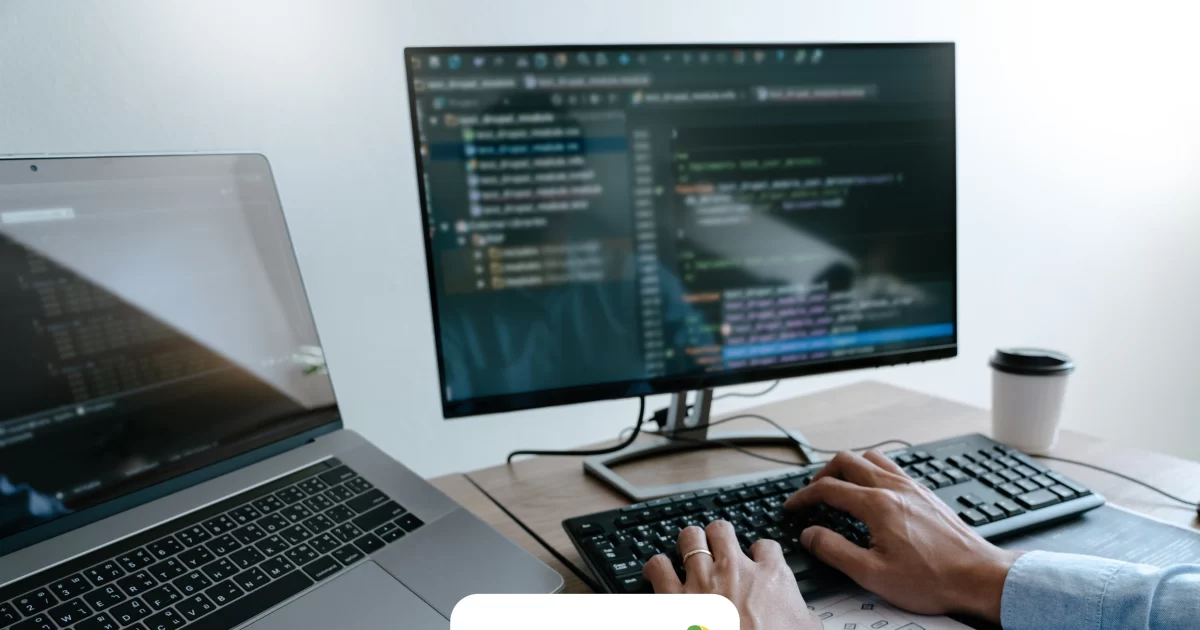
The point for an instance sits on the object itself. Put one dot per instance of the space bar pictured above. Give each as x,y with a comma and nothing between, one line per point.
253,603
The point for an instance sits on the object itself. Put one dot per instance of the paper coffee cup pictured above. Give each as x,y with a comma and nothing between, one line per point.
1028,386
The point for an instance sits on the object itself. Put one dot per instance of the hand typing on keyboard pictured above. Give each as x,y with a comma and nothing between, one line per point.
915,551
761,586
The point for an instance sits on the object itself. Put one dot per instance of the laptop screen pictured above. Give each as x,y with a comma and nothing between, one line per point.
152,321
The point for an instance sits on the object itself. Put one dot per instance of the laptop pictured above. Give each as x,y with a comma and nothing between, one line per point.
171,451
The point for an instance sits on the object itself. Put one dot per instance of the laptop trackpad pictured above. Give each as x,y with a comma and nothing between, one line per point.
366,598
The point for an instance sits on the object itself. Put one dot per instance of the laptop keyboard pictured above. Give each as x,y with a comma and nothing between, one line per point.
217,567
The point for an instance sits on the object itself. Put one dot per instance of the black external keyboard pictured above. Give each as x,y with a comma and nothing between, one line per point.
997,490
220,566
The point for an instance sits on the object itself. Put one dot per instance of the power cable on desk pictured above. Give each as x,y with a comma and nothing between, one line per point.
1114,473
637,428
747,395
579,573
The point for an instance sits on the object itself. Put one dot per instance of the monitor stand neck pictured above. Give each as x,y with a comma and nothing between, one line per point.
686,429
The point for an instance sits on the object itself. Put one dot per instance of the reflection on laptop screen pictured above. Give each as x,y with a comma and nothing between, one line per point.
153,322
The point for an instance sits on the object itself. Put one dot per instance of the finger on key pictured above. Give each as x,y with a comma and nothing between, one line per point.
723,542
852,468
660,573
883,461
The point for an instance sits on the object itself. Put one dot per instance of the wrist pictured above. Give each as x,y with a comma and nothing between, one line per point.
979,586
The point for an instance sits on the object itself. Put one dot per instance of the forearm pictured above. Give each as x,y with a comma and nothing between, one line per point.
1049,590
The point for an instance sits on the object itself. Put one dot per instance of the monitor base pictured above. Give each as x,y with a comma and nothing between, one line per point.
686,430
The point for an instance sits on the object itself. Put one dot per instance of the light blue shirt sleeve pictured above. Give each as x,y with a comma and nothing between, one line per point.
1057,590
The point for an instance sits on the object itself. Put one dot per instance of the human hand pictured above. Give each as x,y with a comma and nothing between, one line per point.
763,588
923,557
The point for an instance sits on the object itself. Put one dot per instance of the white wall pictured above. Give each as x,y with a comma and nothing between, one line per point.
1079,200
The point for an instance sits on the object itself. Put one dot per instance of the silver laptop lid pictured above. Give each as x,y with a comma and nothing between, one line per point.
153,323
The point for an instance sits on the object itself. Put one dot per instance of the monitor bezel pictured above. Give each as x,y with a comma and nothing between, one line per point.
453,409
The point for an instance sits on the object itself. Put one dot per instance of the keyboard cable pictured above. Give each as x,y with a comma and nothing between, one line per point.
1121,475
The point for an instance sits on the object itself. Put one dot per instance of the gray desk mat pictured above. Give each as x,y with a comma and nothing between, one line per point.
1118,534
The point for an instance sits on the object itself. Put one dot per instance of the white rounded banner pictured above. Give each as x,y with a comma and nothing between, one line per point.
594,612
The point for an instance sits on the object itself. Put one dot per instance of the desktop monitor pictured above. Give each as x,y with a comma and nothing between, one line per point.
614,221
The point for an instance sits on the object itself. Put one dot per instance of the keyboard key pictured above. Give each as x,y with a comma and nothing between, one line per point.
192,583
193,536
165,620
274,523
165,548
369,543
220,569
271,545
634,583
973,517
129,612
956,476
1037,499
922,456
302,554
249,534
291,495
337,475
244,608
252,579
64,589
1010,508
970,500
348,554
325,543
409,522
223,545
104,573
37,622
277,567
1043,481
1066,493
1027,485
296,513
102,621
104,597
137,583
993,480
136,560
1010,489
1066,481
322,568
389,532
268,504
627,567
1011,475
224,592
295,534
391,510
928,483
312,485
321,523
245,515
161,597
347,532
167,570
318,503
196,558
941,480
975,470
1025,471
70,612
195,607
246,558
369,500
8,614
992,512
358,485
338,494
340,514
38,601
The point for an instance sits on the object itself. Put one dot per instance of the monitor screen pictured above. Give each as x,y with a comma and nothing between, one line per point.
613,221
152,322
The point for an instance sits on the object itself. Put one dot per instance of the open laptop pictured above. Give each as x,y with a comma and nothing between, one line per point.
171,452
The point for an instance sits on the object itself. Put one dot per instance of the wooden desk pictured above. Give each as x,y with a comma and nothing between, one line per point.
541,492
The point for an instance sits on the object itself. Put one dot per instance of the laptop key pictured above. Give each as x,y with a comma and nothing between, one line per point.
340,514
312,485
409,522
252,603
224,592
369,543
271,545
325,543
195,607
347,532
192,583
196,558
252,579
129,612
322,568
274,523
291,495
247,557
223,545
339,494
35,602
98,622
319,523
296,513
318,503
137,583
167,570
37,622
358,485
162,597
337,475
104,573
268,504
245,515
295,534
70,612
378,516
367,501
348,554
63,589
8,614
301,554
220,525
104,597
277,567
165,620
193,536
249,534
220,569
389,532
136,560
